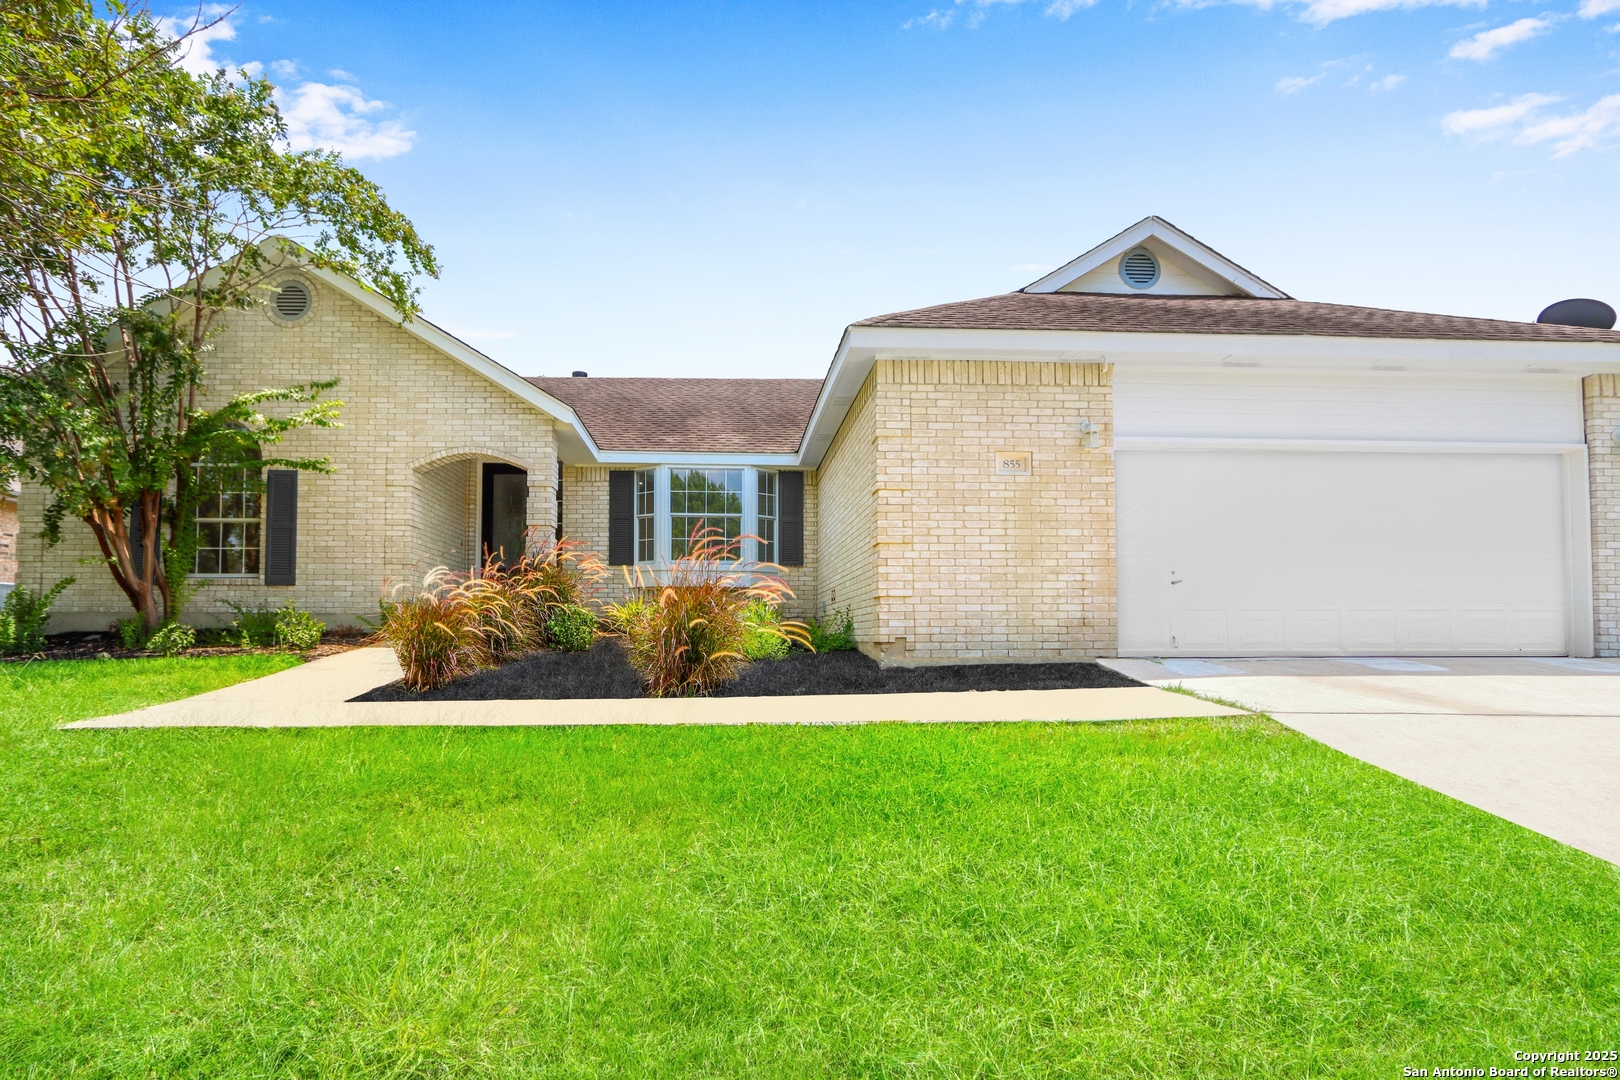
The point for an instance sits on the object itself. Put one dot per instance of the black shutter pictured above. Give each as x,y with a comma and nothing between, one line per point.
137,549
621,517
790,489
281,527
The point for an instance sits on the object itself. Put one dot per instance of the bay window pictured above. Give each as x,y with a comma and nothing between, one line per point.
671,501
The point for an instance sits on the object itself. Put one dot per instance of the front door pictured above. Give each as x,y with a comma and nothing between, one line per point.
506,512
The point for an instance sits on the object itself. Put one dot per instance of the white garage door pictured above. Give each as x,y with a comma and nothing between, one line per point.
1246,553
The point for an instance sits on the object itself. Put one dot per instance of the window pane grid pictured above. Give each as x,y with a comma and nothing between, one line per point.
227,522
646,538
704,498
765,512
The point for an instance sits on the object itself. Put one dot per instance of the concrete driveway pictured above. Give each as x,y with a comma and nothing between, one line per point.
1536,741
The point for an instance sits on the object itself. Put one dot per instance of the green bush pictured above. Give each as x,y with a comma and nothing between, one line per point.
132,632
572,628
255,625
23,616
824,638
172,639
298,629
762,634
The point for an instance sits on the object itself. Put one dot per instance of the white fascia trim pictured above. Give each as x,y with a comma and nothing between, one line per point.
652,459
1167,234
1339,446
1147,349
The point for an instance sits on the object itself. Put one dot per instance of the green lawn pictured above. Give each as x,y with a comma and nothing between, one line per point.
1187,898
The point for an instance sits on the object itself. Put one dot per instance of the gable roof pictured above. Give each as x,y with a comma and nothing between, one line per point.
690,416
1147,314
1163,238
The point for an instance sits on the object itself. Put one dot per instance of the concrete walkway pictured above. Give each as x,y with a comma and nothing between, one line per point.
1532,740
316,695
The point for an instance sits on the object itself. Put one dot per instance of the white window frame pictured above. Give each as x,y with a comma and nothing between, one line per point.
661,516
196,522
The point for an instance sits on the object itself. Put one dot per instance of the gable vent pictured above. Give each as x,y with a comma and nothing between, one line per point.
292,300
1139,268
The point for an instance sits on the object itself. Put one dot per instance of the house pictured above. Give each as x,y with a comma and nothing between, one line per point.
1149,451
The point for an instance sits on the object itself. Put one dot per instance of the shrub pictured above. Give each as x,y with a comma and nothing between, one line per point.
255,625
23,616
690,637
824,638
172,639
762,632
297,629
571,628
132,632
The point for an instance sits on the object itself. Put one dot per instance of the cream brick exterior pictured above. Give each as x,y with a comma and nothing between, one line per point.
404,493
1602,393
964,564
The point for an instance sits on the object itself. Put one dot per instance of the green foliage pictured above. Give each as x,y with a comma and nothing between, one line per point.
834,635
571,628
259,626
142,202
625,617
23,617
133,632
298,629
688,637
255,624
172,639
762,632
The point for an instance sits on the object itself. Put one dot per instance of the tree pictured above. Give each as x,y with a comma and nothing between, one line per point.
137,204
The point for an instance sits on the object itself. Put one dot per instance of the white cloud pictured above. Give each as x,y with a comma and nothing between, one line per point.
1578,131
1524,119
1387,83
1293,84
343,76
207,26
1487,43
326,117
1322,12
940,18
1062,9
319,116
1591,9
1493,120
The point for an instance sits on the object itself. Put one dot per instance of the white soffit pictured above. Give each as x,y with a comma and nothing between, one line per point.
1160,235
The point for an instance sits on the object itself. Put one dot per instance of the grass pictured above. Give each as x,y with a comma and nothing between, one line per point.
1183,898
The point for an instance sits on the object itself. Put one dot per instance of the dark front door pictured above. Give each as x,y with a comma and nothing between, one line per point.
506,512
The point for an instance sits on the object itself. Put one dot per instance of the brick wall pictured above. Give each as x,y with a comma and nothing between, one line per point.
967,565
846,486
446,507
408,408
1602,394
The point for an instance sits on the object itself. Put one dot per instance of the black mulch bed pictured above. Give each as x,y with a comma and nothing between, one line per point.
82,645
605,672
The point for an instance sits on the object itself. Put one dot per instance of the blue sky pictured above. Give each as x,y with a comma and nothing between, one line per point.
718,189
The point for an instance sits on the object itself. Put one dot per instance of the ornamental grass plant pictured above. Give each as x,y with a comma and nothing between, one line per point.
689,635
457,623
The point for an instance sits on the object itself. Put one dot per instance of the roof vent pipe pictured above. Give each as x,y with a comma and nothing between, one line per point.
1591,313
581,374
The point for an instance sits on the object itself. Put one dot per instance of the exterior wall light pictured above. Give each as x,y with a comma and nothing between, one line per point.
1088,434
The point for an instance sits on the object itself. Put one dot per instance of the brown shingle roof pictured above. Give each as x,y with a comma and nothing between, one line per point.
690,416
1113,313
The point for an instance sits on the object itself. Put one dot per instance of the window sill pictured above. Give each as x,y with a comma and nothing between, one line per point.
253,578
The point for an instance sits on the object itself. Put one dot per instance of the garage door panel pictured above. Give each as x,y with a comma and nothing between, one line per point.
1335,553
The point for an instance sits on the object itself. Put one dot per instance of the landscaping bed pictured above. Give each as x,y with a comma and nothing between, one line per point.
605,672
93,646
